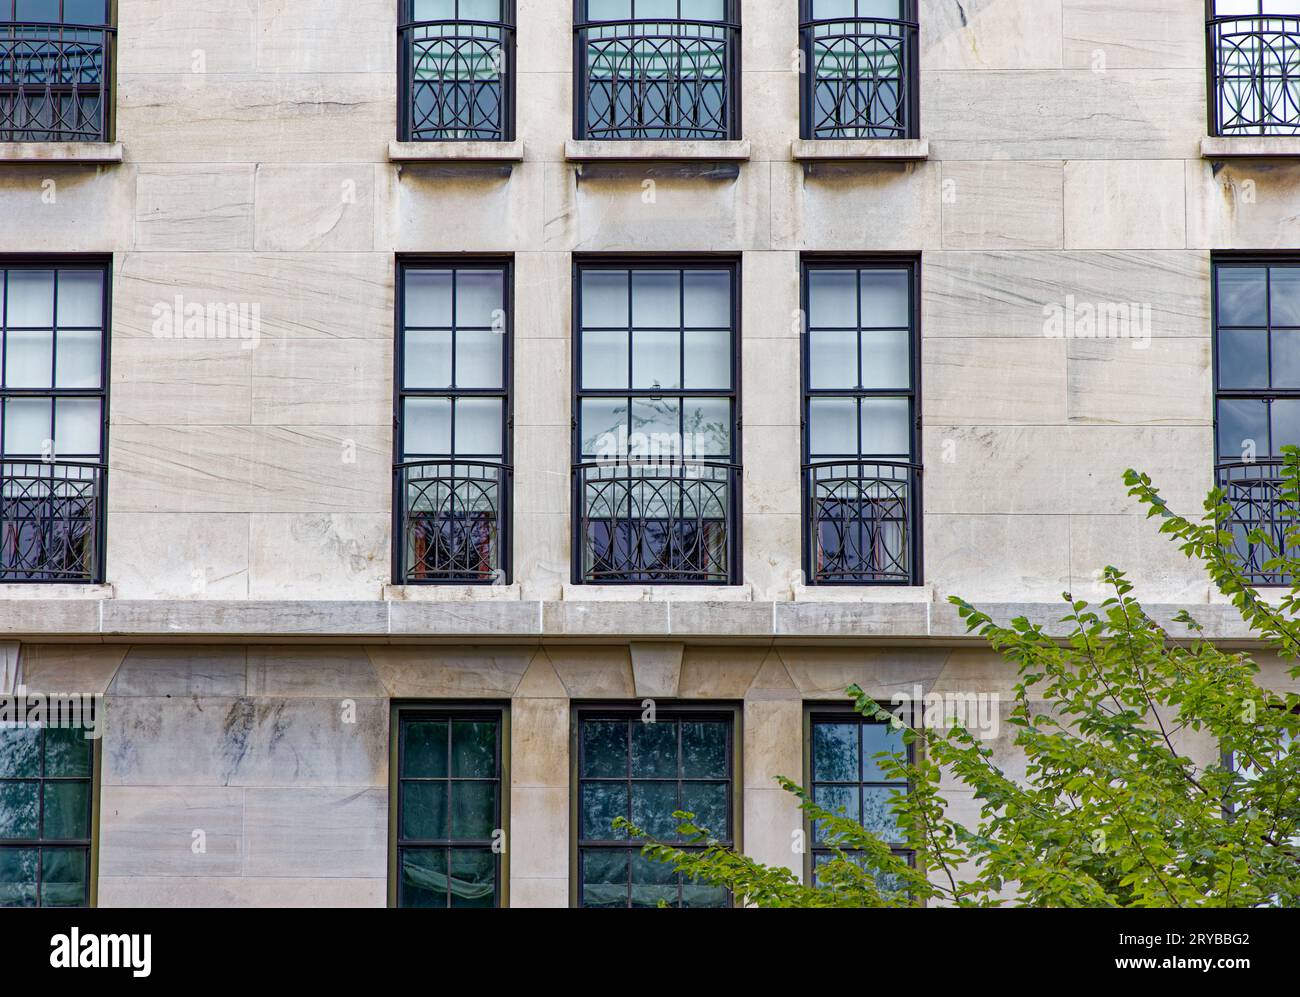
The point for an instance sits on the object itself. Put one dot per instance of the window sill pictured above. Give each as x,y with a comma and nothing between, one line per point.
638,592
25,591
90,153
656,150
863,593
886,150
456,152
1250,147
452,592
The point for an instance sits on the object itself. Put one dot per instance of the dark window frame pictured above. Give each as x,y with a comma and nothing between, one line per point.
809,263
422,710
505,515
1214,24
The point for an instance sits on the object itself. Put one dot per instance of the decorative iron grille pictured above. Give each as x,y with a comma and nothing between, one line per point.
672,79
669,522
862,522
457,80
860,76
453,515
1255,74
54,82
51,517
1253,491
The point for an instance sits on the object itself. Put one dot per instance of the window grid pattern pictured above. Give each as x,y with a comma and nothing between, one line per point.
1253,51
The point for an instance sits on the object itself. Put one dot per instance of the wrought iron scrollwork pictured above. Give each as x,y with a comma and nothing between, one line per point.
862,521
457,82
453,520
51,518
1253,492
859,78
54,82
1256,75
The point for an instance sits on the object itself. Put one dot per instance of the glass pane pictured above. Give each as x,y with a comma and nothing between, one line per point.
602,420
709,419
834,427
1285,292
424,750
704,750
37,10
478,426
704,10
426,362
707,299
480,300
19,809
428,298
884,299
875,739
656,299
434,10
474,749
708,801
18,877
77,359
76,427
835,752
839,800
473,875
824,10
81,298
20,749
653,804
604,299
886,358
84,12
649,9
424,810
479,10
604,747
656,359
877,816
424,877
1243,427
426,426
601,803
67,811
656,415
832,299
1286,423
68,752
604,878
885,428
31,299
29,359
702,895
27,425
1286,359
1243,358
708,359
609,10
833,360
473,810
654,750
652,881
1242,296
480,358
604,359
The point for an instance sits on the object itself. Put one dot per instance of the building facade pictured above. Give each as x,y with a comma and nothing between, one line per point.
405,401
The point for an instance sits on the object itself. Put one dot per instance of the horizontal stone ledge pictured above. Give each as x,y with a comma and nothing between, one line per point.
90,153
456,152
1250,147
655,150
888,150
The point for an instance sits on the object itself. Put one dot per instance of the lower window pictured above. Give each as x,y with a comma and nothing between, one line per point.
449,835
645,770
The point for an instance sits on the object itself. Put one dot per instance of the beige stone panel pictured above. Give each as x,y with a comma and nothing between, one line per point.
50,668
977,670
185,382
991,34
1247,205
998,556
540,681
772,561
539,743
456,209
988,381
139,891
542,386
319,555
204,207
333,36
825,673
769,37
541,554
1071,114
1125,204
161,555
339,832
539,893
541,476
1150,559
656,668
154,831
289,118
312,671
201,36
543,296
1002,205
1002,294
1275,673
67,209
824,211
299,295
323,382
772,478
770,384
1153,34
769,300
539,833
989,721
257,469
451,672
544,117
544,36
772,821
775,97
181,670
1166,383
314,208
719,671
773,741
1058,470
594,672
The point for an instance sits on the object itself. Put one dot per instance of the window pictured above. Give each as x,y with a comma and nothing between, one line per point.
47,778
656,442
456,60
53,318
1254,59
860,60
684,760
452,494
862,480
1257,397
845,776
657,69
448,839
56,59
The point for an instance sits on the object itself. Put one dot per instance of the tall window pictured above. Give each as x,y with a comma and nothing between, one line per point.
46,805
456,60
53,319
862,476
1254,60
452,495
449,832
656,445
846,777
1257,407
860,63
657,69
55,70
644,772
